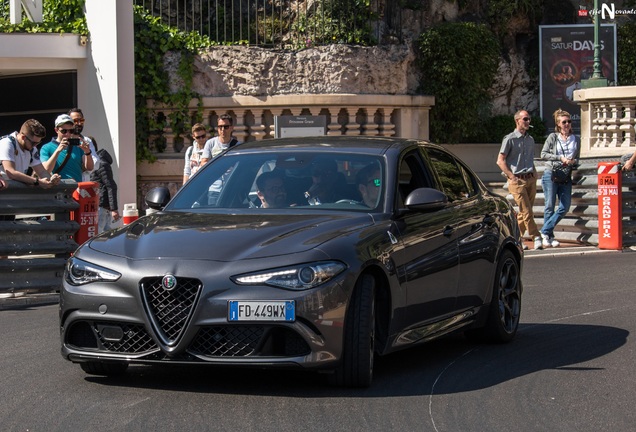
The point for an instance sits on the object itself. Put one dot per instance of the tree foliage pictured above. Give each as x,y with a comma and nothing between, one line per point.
626,59
458,62
153,40
58,16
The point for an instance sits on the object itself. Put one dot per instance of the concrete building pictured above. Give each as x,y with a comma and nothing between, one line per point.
43,75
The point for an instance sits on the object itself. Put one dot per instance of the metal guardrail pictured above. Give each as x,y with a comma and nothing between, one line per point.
37,244
286,24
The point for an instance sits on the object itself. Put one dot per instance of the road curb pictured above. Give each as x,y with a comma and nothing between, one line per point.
582,250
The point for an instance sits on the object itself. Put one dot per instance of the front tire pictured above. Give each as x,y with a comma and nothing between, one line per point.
505,305
356,368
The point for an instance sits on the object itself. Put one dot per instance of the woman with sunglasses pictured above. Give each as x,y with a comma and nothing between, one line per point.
561,150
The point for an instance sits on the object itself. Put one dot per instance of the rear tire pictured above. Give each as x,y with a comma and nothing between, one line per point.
104,369
505,306
356,368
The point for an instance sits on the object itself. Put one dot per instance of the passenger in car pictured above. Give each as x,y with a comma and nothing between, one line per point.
271,189
369,183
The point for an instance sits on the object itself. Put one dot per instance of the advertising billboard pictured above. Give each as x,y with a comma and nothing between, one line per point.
566,58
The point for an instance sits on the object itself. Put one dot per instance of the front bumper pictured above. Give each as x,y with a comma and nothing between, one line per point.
122,322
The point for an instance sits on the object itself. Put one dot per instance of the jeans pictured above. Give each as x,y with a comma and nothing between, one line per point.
104,221
552,191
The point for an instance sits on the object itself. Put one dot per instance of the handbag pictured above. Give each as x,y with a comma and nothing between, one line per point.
561,174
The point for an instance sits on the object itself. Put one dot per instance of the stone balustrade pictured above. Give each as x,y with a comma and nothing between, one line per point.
347,114
608,117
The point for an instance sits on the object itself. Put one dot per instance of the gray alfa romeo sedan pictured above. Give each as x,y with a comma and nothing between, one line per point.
316,252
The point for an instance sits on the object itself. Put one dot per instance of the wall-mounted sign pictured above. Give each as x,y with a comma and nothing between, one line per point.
299,126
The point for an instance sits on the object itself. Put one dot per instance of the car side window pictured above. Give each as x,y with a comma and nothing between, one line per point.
451,175
411,176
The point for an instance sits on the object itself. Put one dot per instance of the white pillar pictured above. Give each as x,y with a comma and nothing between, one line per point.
112,68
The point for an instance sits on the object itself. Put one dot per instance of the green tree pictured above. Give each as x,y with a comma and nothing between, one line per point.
626,67
458,62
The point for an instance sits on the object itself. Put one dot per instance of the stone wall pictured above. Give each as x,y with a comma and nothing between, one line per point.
253,71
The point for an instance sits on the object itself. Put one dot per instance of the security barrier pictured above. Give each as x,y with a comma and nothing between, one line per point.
87,214
36,245
610,205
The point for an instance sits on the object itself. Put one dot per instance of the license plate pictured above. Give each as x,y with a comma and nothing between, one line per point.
284,310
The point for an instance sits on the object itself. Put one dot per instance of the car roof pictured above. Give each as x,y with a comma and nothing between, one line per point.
358,144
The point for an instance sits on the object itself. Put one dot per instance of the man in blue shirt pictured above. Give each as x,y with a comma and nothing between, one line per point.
60,156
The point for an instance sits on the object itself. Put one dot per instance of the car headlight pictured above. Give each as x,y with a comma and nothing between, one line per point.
299,277
79,272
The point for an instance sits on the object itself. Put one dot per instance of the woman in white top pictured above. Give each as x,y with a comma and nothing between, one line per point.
561,149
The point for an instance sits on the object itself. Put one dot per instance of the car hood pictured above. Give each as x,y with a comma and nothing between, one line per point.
220,237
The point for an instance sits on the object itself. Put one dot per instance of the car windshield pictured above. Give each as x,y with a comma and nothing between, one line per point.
308,180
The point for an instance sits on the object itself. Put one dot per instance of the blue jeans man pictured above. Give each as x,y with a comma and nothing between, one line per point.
552,191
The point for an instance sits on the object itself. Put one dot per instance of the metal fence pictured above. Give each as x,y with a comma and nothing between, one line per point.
286,24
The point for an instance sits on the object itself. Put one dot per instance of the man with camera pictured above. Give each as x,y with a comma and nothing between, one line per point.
78,118
66,154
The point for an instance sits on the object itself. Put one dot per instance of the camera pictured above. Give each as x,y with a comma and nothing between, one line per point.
74,141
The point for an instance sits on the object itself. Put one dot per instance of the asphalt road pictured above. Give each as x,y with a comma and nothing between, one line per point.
571,368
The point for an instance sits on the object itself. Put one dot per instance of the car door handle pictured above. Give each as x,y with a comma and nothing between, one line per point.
448,230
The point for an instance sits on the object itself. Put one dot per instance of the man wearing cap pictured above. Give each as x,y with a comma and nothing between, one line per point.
62,156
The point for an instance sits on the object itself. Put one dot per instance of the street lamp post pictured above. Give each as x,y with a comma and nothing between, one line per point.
597,79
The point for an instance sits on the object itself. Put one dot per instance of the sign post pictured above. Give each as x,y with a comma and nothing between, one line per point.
610,206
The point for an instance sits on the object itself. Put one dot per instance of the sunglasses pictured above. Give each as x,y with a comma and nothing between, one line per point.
200,136
566,122
526,119
64,131
33,143
224,126
79,121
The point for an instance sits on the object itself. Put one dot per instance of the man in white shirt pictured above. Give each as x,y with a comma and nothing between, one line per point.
213,147
18,153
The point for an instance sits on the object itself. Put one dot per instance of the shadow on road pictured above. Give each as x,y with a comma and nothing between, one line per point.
447,366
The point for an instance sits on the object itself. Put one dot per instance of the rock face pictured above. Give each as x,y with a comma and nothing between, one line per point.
253,71
386,69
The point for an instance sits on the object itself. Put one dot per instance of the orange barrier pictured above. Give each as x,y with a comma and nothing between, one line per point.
87,216
610,206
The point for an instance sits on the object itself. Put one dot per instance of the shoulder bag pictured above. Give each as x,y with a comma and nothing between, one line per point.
561,174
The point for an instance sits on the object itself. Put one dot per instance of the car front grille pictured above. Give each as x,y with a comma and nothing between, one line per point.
245,340
170,310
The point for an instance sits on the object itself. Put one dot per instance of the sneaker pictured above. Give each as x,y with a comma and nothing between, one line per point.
545,240
554,242
538,243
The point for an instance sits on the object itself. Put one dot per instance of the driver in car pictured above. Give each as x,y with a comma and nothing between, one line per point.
327,183
271,189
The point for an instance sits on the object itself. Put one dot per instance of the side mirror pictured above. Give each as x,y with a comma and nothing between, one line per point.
158,198
426,199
